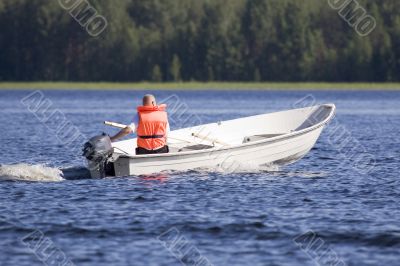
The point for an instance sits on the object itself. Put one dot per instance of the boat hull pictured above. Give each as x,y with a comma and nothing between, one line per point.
278,152
278,138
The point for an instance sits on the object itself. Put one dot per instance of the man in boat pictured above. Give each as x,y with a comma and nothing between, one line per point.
151,123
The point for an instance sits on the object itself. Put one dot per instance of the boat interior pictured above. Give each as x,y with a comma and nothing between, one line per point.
239,131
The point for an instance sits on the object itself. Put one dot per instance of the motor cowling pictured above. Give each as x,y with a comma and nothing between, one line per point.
97,151
98,148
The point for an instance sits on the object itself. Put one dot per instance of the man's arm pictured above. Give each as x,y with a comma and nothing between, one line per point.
124,132
128,130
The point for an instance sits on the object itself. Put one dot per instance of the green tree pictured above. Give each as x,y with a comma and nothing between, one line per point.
257,75
156,74
246,40
175,68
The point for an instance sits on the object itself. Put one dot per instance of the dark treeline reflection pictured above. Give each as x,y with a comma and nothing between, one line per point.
204,40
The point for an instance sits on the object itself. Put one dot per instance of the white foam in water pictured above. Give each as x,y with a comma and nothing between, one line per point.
33,173
241,168
250,167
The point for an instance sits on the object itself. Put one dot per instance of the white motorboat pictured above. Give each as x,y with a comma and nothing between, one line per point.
277,138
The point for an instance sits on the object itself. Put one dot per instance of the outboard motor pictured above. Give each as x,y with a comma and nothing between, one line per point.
97,151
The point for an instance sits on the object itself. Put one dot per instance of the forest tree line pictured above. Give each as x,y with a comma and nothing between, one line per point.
198,40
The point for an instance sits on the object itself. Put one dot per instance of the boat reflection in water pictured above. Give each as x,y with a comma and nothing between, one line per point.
161,178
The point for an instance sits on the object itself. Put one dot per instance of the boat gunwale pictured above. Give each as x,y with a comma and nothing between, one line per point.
249,144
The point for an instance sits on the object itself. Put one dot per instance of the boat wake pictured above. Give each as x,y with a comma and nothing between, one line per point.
31,173
76,173
255,168
248,168
270,170
242,168
41,173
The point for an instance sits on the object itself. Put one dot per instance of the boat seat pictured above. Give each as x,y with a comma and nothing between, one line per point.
196,148
260,137
315,117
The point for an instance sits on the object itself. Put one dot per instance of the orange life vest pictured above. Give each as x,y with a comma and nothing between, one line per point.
152,128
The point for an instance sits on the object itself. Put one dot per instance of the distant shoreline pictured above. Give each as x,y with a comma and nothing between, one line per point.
198,86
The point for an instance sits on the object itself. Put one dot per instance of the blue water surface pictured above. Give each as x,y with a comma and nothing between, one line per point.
334,207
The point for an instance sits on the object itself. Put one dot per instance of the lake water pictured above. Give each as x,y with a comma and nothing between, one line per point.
324,209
